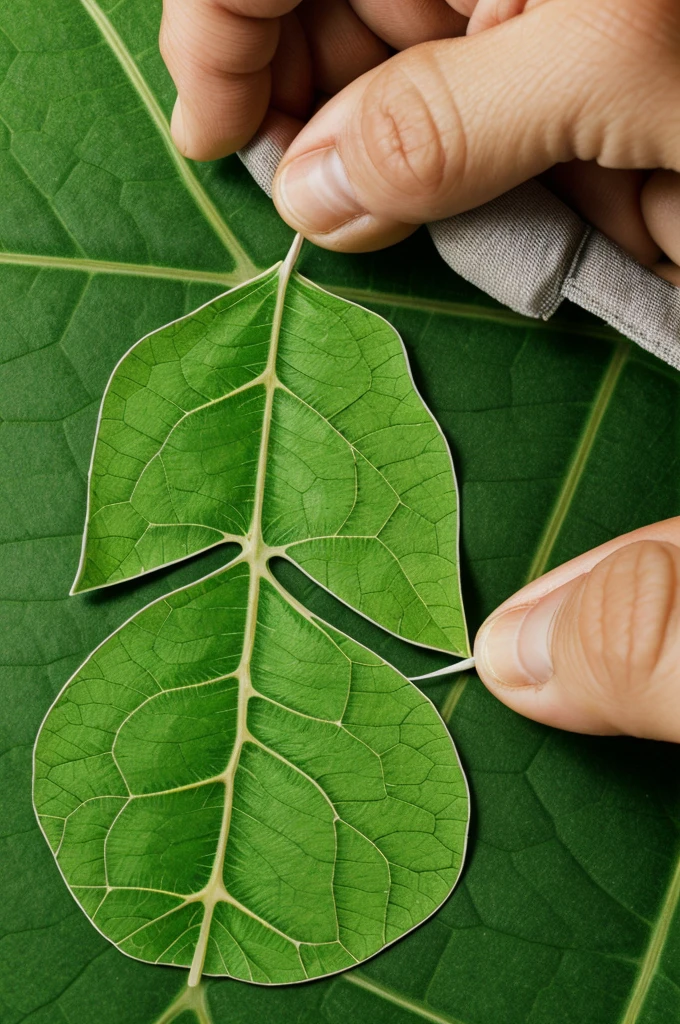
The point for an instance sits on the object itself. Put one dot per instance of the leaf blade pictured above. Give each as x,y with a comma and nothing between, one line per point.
274,885
350,447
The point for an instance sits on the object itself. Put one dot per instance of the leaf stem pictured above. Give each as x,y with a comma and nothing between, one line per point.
255,552
189,999
448,670
291,259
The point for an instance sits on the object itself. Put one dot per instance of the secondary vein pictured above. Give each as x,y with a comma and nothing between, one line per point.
414,1006
566,494
92,266
467,310
441,307
652,958
244,265
579,461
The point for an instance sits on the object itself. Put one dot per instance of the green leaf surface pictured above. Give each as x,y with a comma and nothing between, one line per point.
285,417
563,436
228,784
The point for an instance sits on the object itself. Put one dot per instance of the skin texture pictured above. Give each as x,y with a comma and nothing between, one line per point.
478,97
594,645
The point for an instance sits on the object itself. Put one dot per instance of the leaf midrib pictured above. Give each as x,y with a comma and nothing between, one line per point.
254,554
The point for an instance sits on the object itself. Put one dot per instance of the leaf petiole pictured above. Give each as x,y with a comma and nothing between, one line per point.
448,670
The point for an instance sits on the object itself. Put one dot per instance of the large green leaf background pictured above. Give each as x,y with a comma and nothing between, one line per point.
564,436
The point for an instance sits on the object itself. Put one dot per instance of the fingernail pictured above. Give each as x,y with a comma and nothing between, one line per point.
513,648
316,192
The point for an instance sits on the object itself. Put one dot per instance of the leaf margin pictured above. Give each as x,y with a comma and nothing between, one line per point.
285,269
194,979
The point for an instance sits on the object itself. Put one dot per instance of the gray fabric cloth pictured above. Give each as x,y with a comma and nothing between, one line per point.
261,157
606,281
529,250
518,248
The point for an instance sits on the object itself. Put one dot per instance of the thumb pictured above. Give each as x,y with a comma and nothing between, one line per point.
599,653
448,125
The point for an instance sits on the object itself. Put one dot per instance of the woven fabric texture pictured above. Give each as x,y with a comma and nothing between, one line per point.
529,250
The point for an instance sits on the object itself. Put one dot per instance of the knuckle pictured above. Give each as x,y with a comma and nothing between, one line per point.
410,128
205,40
628,618
627,104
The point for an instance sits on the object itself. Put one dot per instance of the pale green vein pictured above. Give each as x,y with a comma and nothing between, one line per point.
189,999
228,279
566,495
650,962
441,307
414,1006
244,265
454,695
470,311
579,460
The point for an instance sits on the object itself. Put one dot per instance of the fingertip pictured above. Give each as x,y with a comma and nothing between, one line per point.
313,192
220,64
597,654
177,127
314,195
366,234
515,660
660,201
208,127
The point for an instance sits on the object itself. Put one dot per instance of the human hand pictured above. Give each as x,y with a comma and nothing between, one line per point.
449,124
594,646
235,62
589,87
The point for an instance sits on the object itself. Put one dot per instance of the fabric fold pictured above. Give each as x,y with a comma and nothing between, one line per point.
529,250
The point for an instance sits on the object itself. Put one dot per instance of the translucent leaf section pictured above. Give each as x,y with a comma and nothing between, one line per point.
230,784
281,403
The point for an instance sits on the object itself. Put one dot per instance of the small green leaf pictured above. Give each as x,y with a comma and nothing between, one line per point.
228,783
281,409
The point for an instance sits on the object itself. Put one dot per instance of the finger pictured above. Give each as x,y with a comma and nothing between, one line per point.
279,128
464,7
260,8
292,89
594,646
489,13
342,47
409,22
219,62
661,210
446,126
609,199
